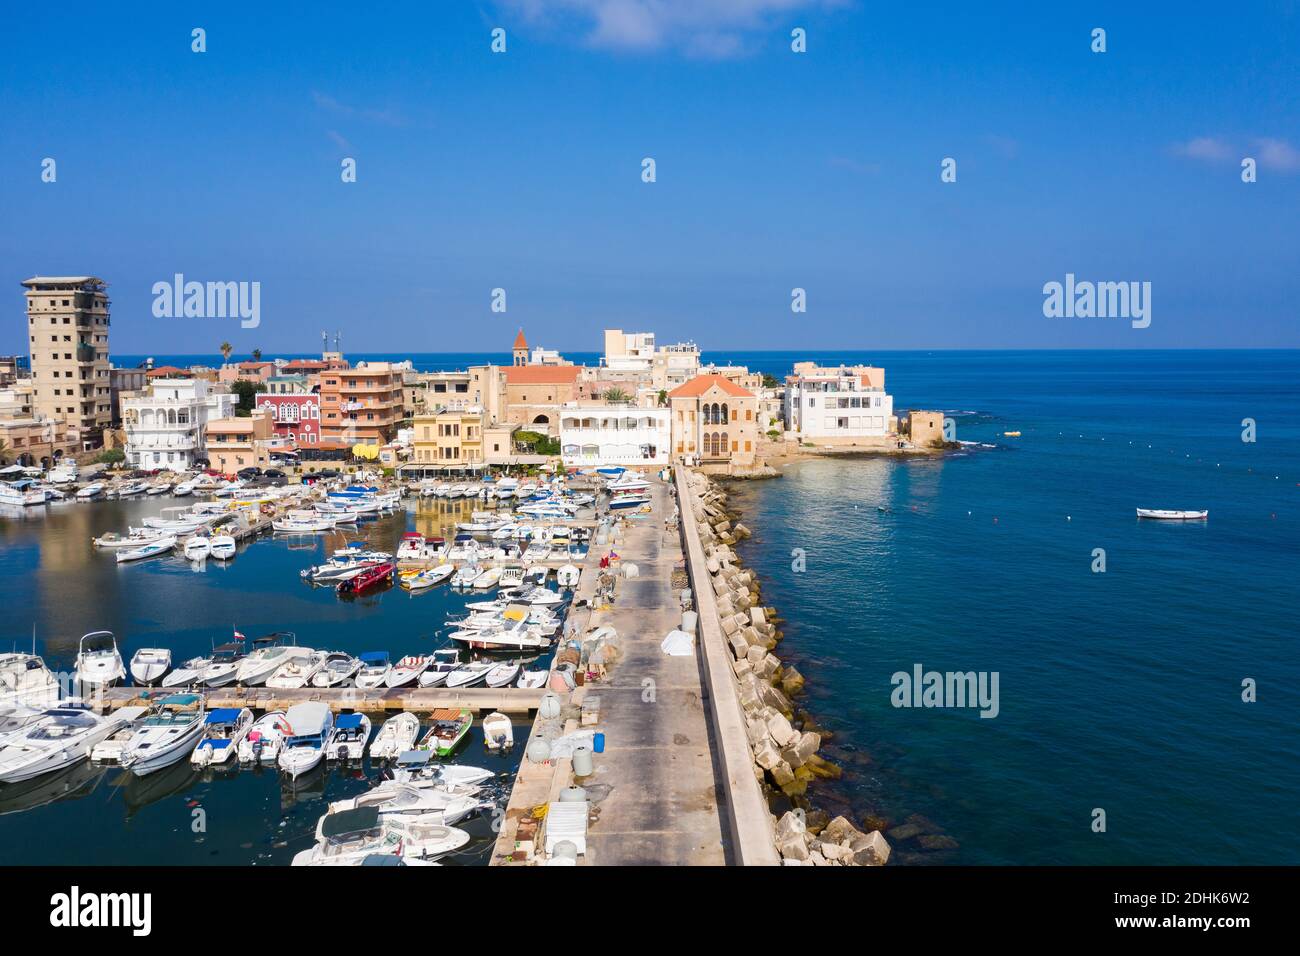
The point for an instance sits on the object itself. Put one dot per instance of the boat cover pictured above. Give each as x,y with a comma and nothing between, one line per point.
348,722
223,715
349,821
375,657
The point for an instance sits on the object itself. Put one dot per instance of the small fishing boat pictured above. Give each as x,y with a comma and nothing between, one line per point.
298,672
445,661
465,576
137,537
223,731
1012,434
368,578
450,725
303,523
427,578
397,735
92,490
498,731
347,741
533,679
468,674
536,575
149,665
487,579
503,674
407,670
99,663
304,748
165,736
264,739
154,548
567,576
222,547
197,548
1171,515
338,668
375,666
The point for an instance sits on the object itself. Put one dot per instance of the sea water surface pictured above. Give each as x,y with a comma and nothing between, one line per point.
1119,691
54,584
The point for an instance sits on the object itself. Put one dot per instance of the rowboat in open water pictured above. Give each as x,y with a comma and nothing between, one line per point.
1171,515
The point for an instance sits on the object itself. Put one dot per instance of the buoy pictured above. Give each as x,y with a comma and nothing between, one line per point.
582,761
539,750
573,795
549,706
1068,518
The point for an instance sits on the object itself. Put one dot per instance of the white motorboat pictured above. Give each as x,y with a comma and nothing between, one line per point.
309,727
223,667
24,493
513,636
568,575
533,679
445,661
197,548
464,577
224,730
375,666
337,668
99,664
1171,515
129,489
503,674
407,670
188,674
347,741
419,769
498,731
222,547
344,564
185,487
404,802
92,490
60,737
297,672
25,681
151,550
397,735
149,665
352,836
487,579
469,674
109,750
268,656
533,596
628,481
136,538
165,736
303,523
511,576
264,739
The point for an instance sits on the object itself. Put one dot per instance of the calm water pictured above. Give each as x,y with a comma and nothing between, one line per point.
50,576
1119,690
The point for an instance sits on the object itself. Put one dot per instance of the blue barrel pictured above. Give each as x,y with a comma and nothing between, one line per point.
598,742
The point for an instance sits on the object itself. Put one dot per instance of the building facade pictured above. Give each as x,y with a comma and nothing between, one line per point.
534,394
237,443
67,325
714,423
449,439
598,435
166,424
294,417
837,405
361,405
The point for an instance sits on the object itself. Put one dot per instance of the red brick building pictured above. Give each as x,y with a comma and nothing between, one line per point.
296,417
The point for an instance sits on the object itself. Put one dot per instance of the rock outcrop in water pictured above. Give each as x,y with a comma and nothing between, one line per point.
784,746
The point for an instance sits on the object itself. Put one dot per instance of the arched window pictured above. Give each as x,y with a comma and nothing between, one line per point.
723,419
723,447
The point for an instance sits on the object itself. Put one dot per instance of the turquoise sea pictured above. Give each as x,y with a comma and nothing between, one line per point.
1119,690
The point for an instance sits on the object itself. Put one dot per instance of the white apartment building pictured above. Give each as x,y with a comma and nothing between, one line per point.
599,435
837,405
675,365
629,350
166,424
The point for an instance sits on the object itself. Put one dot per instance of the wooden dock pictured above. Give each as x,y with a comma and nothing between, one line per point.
481,700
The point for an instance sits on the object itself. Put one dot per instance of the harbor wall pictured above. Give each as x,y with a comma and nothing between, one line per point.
750,822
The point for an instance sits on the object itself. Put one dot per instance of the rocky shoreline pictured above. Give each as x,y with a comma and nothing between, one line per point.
784,741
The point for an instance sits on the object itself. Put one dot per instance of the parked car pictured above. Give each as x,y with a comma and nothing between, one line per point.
248,473
274,473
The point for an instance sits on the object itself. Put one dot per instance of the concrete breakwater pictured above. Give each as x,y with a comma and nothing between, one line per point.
754,693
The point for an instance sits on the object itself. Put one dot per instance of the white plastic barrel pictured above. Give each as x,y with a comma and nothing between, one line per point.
582,761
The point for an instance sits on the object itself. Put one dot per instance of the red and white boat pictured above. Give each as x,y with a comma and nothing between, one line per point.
368,578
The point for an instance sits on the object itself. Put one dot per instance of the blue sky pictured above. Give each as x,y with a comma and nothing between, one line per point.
775,170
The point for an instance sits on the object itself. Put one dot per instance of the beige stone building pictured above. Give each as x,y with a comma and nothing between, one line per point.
925,428
714,423
534,394
27,437
449,439
236,443
67,326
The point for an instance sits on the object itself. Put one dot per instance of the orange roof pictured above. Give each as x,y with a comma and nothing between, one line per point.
541,374
167,371
702,383
520,341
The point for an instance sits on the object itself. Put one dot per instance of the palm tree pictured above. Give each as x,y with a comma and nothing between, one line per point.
615,395
257,355
226,350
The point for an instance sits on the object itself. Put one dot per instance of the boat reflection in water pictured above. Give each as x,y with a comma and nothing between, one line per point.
138,792
73,783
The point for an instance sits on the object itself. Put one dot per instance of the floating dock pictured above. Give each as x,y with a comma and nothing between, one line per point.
481,700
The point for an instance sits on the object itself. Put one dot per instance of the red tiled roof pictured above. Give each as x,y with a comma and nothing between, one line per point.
702,383
541,374
167,371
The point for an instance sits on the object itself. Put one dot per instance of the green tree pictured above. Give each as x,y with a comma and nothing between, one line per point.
770,381
227,350
111,456
617,394
247,392
257,355
663,396
537,442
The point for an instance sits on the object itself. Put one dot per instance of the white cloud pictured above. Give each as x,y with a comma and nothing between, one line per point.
1277,154
713,29
1270,153
1207,149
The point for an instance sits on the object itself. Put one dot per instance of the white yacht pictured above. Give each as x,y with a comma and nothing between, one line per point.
59,738
99,664
267,657
348,739
304,748
92,490
25,681
403,802
338,668
395,737
222,547
352,836
198,548
298,672
375,666
149,665
224,665
165,736
188,674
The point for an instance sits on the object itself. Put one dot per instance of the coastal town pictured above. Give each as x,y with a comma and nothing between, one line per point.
585,521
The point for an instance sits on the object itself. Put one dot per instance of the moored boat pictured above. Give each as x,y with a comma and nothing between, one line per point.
304,748
264,738
450,725
149,665
165,736
347,741
1163,515
152,549
99,663
397,735
498,731
224,729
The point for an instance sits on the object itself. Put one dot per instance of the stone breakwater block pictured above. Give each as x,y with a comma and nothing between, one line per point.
841,830
739,647
755,654
719,586
807,746
834,852
741,530
756,731
725,607
766,756
784,776
791,681
742,667
790,824
712,564
780,730
872,850
771,697
821,767
767,667
756,616
729,626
